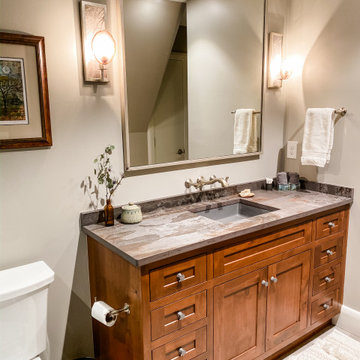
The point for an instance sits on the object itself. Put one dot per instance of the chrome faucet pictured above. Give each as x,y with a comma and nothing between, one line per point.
201,182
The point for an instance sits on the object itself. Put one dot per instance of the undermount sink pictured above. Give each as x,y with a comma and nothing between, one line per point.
234,212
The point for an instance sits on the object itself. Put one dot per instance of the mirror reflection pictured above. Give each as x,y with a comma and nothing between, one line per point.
194,78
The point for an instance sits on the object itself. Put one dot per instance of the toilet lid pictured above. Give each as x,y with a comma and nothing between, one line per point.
37,358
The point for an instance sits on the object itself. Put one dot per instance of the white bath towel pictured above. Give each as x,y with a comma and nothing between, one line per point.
245,132
318,136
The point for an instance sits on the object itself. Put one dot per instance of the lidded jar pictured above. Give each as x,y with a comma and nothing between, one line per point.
131,214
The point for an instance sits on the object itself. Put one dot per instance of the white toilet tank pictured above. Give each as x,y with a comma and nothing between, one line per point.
23,310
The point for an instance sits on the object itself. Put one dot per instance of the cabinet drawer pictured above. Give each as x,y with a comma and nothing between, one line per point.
173,278
329,224
325,305
177,315
186,347
326,277
327,250
249,252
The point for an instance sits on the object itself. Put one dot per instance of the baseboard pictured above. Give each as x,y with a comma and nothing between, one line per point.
348,320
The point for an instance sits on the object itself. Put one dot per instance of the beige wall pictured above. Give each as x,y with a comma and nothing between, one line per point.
225,47
148,45
139,148
40,196
324,35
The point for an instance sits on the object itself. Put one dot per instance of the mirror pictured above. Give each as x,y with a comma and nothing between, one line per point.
189,65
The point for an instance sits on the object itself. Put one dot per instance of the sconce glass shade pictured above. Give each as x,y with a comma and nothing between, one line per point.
104,47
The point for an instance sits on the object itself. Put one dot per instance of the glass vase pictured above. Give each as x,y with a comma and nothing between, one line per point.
109,213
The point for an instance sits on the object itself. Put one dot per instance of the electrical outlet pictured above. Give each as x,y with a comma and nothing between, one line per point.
292,149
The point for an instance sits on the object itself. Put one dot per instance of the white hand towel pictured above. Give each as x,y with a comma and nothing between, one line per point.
318,136
245,131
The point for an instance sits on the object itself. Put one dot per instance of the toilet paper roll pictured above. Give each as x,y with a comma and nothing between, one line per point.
100,310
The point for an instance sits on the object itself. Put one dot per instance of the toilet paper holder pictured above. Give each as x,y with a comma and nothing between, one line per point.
112,315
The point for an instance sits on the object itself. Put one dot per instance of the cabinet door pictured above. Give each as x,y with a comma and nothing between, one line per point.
239,317
287,298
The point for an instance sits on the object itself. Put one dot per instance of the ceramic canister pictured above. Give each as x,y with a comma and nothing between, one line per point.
131,214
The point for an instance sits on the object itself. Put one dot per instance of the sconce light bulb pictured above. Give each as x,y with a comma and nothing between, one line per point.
286,69
103,46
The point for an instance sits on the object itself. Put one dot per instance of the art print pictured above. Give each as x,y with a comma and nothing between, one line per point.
13,101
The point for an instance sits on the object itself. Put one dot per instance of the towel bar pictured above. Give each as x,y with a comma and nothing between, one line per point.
342,111
255,112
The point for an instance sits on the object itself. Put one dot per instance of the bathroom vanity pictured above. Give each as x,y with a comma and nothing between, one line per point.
201,289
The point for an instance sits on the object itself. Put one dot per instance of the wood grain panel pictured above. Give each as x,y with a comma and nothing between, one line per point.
329,224
287,298
326,277
239,317
327,250
115,281
164,281
166,320
193,343
324,306
249,252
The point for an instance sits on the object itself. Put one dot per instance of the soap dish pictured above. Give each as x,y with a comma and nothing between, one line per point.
246,193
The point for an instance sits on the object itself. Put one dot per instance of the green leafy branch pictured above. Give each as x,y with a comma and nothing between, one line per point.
103,173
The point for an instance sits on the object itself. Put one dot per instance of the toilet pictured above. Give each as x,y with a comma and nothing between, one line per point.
23,311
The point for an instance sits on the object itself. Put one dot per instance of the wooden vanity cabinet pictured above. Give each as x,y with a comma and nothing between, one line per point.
248,298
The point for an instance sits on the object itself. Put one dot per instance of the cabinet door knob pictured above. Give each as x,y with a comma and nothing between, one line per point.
331,224
180,315
328,279
329,252
265,283
180,277
182,351
325,306
274,279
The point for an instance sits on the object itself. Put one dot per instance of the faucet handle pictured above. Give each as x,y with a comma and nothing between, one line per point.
188,183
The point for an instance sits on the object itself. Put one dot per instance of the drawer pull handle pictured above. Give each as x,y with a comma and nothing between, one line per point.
328,279
274,279
180,277
265,283
331,224
329,252
182,351
180,315
325,306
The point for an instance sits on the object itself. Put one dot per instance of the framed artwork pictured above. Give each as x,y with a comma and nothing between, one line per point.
24,98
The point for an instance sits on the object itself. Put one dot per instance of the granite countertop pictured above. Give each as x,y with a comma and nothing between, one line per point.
166,232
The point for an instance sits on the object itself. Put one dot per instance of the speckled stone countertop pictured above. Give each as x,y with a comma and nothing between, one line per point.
166,232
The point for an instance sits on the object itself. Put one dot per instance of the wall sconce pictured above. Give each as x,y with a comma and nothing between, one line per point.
278,69
98,44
